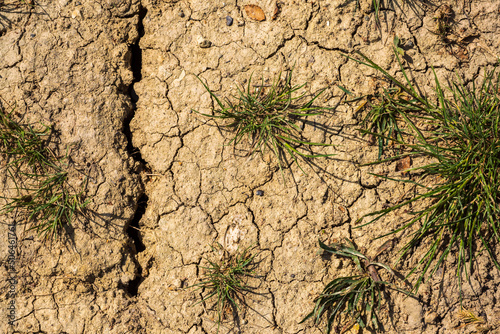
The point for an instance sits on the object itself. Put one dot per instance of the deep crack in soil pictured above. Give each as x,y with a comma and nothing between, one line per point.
133,230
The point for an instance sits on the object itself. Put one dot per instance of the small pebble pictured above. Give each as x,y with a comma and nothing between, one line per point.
259,193
33,35
292,275
177,283
367,18
78,3
431,317
205,44
181,14
229,21
409,44
76,14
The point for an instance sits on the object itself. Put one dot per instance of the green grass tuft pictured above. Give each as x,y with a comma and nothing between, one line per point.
378,5
359,296
268,116
461,212
382,119
40,178
226,279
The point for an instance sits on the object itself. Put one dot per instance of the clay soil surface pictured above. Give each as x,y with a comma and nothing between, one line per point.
117,81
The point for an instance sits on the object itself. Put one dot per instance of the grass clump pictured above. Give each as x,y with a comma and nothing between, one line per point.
467,317
382,118
39,177
225,279
268,116
460,211
359,296
378,5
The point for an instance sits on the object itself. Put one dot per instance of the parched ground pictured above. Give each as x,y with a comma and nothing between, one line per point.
117,80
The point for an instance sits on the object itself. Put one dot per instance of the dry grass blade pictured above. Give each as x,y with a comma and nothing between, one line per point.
469,318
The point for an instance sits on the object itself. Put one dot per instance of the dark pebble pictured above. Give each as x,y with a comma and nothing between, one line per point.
181,14
292,275
33,35
409,44
205,44
78,3
259,193
229,21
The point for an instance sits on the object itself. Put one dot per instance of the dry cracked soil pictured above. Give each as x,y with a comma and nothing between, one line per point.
117,81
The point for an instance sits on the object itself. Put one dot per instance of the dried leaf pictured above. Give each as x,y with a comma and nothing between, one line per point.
403,164
255,12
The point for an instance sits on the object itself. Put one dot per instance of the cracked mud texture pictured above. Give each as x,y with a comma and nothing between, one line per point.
73,64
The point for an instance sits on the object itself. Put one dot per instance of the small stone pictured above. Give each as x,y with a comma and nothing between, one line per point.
177,283
181,13
292,275
409,44
78,3
229,21
259,193
76,14
255,13
367,18
431,317
204,44
33,35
